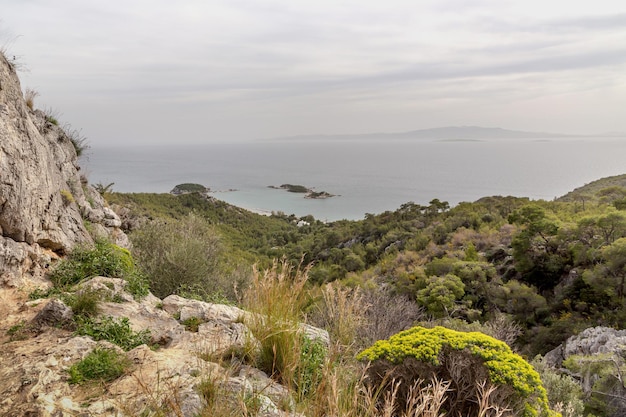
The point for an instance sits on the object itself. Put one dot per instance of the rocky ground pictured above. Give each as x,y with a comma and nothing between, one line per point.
38,348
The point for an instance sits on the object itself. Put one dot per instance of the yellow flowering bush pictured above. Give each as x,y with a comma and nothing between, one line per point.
467,360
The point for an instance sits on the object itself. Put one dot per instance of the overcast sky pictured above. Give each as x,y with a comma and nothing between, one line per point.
157,71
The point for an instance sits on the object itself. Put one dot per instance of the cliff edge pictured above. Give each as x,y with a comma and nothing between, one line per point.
44,201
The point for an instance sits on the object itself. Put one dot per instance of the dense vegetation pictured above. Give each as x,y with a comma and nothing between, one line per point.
531,273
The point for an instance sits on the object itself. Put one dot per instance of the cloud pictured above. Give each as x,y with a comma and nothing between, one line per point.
289,56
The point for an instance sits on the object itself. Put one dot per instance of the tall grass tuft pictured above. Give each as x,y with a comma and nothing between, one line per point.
29,96
278,297
341,312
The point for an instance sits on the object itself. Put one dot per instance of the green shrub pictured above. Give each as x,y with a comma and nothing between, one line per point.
67,197
192,324
464,359
137,285
179,255
84,303
564,392
100,364
104,259
308,373
52,120
117,331
601,376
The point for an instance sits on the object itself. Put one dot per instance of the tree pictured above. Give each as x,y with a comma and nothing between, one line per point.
615,256
536,250
520,300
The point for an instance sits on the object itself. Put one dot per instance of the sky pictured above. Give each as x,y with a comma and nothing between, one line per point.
140,72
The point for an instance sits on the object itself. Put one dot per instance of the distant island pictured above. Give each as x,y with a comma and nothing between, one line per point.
188,188
309,193
450,133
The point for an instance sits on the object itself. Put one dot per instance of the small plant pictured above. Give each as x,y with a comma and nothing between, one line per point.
308,373
52,120
250,404
19,331
29,97
116,331
117,298
105,259
99,365
67,197
84,303
137,285
103,189
192,324
38,293
77,138
209,390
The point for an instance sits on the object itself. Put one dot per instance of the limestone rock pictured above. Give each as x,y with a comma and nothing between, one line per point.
591,341
54,314
166,380
43,198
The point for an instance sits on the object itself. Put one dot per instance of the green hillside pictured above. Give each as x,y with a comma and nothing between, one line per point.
532,273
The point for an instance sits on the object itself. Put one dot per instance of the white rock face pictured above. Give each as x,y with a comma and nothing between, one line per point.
43,199
34,367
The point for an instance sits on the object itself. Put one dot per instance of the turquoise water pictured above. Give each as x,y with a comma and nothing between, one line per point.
368,176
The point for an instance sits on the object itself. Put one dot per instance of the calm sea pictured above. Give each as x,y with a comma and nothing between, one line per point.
368,176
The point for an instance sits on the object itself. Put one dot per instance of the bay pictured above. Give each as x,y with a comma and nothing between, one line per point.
369,176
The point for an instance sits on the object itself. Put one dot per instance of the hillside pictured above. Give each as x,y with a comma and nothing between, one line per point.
605,190
179,304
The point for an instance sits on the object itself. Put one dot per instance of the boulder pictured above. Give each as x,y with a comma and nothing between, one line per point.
591,341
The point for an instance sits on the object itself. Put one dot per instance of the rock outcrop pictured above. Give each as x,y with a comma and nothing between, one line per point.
35,360
197,350
590,342
44,201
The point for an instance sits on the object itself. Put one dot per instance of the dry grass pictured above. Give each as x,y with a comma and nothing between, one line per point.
340,312
278,297
29,97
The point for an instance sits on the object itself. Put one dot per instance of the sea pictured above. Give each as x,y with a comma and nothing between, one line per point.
366,176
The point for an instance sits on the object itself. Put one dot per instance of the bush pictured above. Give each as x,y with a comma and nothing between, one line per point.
137,285
180,255
104,259
467,360
100,364
117,331
564,392
602,379
308,372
